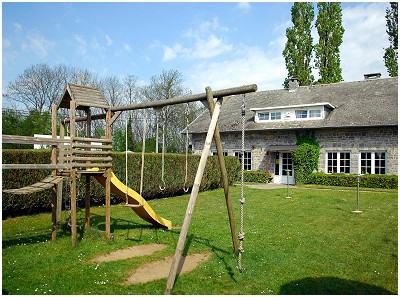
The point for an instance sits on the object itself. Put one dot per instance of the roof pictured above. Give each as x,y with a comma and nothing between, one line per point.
83,96
357,104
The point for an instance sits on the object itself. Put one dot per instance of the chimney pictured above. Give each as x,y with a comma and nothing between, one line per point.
372,76
293,84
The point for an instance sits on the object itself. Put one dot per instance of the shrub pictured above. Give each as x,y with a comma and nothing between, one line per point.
305,158
350,180
253,176
174,177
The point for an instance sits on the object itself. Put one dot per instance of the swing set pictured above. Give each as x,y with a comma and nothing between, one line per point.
80,156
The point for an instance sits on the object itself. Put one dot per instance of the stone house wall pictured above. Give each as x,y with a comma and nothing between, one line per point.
353,140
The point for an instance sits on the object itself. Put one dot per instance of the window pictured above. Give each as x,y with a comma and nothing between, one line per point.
301,114
223,153
247,159
338,162
315,113
263,116
373,163
275,115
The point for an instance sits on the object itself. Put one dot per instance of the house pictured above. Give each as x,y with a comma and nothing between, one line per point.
355,124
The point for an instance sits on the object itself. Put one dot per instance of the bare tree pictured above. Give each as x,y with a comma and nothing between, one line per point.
36,88
168,84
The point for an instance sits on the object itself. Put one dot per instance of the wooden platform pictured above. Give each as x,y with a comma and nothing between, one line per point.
47,183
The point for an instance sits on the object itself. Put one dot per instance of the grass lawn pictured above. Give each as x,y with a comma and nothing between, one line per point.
310,244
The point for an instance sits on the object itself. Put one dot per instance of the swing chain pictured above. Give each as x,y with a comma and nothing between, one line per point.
163,187
242,199
186,189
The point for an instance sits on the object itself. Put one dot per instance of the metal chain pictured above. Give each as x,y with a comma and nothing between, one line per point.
185,187
242,200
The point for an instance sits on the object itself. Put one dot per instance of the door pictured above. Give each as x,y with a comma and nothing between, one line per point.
284,168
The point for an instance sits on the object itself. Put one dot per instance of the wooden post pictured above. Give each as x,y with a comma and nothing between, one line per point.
224,173
108,179
54,172
87,188
73,174
193,196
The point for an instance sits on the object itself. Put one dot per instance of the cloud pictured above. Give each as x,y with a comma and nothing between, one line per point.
364,40
127,47
202,43
6,43
243,6
252,65
81,45
38,44
109,40
18,27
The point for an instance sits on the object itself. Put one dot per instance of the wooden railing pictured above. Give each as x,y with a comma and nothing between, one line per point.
78,152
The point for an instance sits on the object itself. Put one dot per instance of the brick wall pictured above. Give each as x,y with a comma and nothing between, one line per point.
353,140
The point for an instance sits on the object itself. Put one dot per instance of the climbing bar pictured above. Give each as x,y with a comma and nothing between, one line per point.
185,99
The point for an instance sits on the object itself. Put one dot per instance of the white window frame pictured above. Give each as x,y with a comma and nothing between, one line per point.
247,166
302,113
310,111
373,160
263,114
339,159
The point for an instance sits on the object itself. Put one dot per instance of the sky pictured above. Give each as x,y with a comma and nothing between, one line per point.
221,45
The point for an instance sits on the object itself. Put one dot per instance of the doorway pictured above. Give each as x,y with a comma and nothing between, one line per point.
283,163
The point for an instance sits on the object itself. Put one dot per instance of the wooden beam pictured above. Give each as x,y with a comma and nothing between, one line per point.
186,99
108,179
54,193
29,140
35,166
224,173
192,200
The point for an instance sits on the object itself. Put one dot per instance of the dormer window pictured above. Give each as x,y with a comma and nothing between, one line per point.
312,111
276,115
301,114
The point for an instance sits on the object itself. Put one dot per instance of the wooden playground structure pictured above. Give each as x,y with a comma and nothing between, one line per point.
88,156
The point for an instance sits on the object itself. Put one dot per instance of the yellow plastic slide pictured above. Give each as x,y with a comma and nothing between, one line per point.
138,203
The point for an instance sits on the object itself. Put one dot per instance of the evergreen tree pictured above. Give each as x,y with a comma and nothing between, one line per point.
330,31
391,54
299,45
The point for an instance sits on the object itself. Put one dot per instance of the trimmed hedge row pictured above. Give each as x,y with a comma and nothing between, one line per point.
174,176
253,176
350,180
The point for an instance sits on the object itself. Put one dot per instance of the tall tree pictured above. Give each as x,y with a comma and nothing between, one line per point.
299,45
169,84
327,52
391,54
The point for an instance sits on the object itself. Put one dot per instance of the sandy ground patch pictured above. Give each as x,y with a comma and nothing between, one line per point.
160,269
133,251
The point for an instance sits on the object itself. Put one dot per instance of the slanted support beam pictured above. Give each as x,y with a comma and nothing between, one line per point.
192,200
224,173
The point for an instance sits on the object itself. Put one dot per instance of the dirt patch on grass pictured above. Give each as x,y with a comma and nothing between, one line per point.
133,251
160,269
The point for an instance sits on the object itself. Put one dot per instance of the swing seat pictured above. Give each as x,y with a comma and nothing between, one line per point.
132,205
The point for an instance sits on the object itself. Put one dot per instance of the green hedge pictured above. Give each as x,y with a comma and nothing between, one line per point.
253,176
350,180
174,176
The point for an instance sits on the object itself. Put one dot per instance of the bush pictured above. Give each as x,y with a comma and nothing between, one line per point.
350,180
174,177
253,176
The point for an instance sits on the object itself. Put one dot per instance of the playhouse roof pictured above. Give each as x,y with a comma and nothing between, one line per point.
83,96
